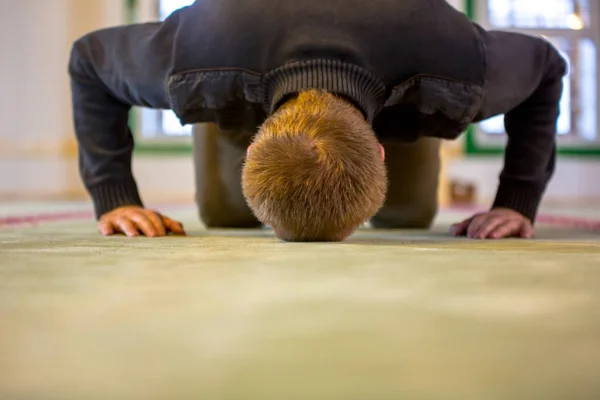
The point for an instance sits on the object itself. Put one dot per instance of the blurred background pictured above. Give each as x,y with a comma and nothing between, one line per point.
38,154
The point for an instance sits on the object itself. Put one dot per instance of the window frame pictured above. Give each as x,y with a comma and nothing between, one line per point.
161,144
479,143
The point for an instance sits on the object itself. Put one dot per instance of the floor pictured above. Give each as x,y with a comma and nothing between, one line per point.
240,315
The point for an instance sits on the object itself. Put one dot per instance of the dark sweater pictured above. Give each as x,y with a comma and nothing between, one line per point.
413,67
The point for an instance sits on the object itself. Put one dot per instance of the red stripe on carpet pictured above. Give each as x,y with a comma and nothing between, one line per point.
555,220
560,221
569,222
36,219
40,218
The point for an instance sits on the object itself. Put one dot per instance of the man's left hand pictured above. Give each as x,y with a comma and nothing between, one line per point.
495,224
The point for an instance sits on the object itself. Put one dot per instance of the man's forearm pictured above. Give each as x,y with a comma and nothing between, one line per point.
525,83
530,154
104,140
111,71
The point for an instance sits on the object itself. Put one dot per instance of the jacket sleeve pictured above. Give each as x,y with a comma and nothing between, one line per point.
525,83
110,71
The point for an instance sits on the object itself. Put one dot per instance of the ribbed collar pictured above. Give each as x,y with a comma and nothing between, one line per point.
350,81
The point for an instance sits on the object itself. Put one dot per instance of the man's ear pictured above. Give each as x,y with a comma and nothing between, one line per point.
382,152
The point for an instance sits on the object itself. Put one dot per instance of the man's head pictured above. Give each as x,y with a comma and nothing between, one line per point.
315,170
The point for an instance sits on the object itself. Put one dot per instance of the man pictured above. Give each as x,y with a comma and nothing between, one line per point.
326,113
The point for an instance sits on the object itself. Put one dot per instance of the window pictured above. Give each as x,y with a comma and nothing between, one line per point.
163,125
534,14
578,104
167,7
566,24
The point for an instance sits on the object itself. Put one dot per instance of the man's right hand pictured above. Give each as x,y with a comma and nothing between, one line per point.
134,220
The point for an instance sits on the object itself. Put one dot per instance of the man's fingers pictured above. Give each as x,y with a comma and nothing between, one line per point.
135,221
506,229
106,228
126,226
173,226
527,230
460,228
477,224
144,224
490,224
157,221
497,223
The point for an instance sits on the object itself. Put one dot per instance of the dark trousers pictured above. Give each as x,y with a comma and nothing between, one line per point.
411,202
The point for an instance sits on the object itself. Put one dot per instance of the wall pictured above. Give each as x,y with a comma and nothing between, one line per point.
575,180
37,147
38,156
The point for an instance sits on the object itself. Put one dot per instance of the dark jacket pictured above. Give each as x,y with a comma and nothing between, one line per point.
414,67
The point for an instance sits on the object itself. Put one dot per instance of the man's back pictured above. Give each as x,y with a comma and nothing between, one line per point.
394,40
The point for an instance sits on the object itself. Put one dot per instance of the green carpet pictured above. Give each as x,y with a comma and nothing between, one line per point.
241,315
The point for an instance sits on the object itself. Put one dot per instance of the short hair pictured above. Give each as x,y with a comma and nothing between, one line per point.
315,169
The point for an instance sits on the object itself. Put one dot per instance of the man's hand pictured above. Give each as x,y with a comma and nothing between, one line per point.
133,221
495,224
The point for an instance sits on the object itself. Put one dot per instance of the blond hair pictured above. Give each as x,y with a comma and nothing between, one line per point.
315,171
